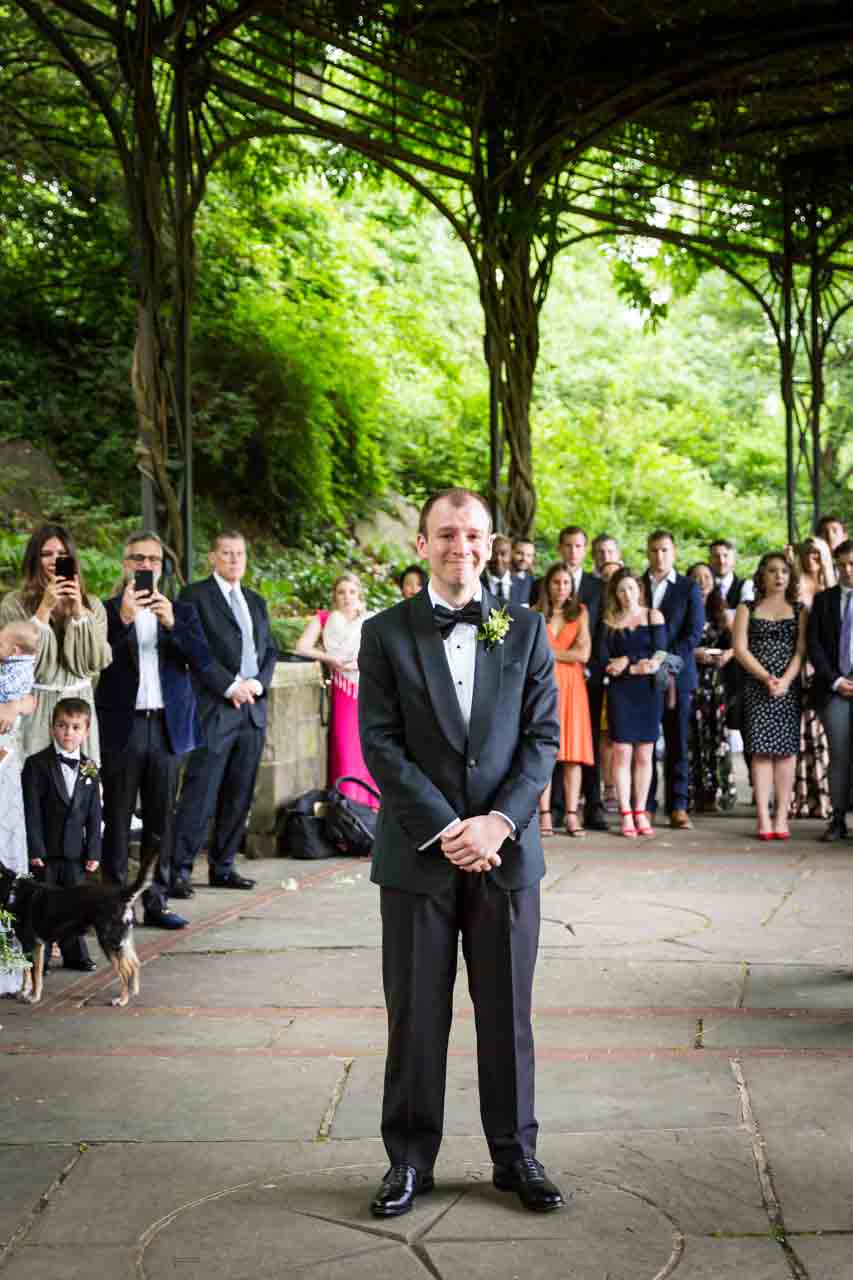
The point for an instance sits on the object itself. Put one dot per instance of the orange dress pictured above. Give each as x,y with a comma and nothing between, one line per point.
575,726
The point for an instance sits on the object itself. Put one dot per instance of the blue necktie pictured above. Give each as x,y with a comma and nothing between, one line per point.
845,647
249,654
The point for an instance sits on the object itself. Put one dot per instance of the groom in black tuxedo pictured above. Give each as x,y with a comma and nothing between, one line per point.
459,727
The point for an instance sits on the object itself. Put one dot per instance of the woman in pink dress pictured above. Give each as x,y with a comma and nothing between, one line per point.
333,638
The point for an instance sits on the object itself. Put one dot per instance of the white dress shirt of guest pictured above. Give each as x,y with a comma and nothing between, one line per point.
498,577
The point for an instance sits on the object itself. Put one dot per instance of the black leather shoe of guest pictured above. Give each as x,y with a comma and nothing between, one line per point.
182,889
83,966
163,920
837,829
596,820
231,880
528,1179
398,1189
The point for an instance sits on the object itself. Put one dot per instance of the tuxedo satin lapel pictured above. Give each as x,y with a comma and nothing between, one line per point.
439,682
58,780
488,676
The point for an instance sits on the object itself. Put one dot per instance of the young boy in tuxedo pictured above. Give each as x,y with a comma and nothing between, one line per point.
62,805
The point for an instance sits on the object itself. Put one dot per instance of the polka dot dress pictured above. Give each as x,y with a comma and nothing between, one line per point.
771,726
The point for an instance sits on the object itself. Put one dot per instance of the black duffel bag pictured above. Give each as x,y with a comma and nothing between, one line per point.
350,826
301,828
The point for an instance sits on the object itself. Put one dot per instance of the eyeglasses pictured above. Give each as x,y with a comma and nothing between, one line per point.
137,559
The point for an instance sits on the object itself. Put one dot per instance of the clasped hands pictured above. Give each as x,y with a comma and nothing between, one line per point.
777,686
472,843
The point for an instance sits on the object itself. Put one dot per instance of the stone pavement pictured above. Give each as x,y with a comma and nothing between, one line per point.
694,1022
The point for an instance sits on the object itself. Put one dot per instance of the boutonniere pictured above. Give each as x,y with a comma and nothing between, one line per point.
494,629
89,772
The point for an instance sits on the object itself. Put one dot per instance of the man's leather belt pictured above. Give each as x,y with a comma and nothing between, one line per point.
150,714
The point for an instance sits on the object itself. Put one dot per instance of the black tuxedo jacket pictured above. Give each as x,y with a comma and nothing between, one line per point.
59,826
733,593
823,640
180,650
684,615
429,768
219,718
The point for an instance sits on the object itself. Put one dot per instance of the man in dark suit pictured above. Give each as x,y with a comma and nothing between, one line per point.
459,728
830,647
148,718
62,808
497,576
219,782
680,601
523,577
722,557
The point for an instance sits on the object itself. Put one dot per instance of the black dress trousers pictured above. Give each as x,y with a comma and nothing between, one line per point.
500,934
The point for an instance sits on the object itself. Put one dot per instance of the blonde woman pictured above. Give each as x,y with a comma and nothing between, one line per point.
333,637
814,566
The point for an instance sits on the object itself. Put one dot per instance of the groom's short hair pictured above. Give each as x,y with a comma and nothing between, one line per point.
457,498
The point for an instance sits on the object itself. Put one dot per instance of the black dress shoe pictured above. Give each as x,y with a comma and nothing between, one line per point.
182,889
84,966
597,819
164,920
230,880
398,1189
527,1177
837,829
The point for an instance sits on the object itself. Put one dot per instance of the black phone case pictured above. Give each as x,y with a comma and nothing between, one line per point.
143,580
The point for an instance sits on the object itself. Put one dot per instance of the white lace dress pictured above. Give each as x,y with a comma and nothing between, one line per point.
13,834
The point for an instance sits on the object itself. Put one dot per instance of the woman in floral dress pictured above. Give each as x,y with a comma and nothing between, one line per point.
712,785
811,797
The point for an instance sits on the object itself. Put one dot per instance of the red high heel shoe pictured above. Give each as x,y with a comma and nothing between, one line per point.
641,821
629,831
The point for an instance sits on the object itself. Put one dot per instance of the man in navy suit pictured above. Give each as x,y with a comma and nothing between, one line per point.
679,600
219,782
458,719
523,577
148,718
830,645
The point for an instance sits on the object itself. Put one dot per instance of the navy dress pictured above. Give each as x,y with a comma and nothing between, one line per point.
634,703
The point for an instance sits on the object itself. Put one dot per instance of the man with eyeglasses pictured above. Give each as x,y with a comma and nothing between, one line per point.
147,716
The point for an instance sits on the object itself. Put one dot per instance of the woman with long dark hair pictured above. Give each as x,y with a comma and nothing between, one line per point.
567,627
73,647
770,645
811,798
712,785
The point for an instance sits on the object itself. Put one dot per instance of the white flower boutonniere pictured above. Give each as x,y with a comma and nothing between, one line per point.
89,772
494,629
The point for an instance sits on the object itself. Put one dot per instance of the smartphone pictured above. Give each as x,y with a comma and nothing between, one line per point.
143,580
65,567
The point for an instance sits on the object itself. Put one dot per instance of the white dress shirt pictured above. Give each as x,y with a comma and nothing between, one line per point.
149,695
500,587
69,776
460,648
659,588
227,588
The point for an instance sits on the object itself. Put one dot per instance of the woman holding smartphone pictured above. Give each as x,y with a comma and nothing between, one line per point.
73,628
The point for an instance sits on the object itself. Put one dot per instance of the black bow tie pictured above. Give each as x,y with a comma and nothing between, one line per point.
68,760
446,619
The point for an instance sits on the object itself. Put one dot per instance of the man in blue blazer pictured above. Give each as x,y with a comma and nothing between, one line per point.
680,601
148,718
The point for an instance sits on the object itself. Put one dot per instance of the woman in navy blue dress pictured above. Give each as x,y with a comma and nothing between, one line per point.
631,646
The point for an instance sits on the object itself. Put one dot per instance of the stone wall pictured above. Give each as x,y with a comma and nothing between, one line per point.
294,758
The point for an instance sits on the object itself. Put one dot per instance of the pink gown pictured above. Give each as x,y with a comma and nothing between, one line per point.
345,758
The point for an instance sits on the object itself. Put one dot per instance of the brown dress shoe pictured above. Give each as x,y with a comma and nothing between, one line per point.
680,819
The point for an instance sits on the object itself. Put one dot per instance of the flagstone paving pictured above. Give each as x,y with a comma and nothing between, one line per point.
694,1025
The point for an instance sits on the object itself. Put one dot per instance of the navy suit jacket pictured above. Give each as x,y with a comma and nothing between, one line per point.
823,639
219,718
181,650
429,767
684,615
60,826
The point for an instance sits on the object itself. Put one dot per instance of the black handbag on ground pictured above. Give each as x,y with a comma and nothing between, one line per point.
350,826
301,828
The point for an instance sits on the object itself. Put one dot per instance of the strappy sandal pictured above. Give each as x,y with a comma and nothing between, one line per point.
641,821
546,827
629,831
577,833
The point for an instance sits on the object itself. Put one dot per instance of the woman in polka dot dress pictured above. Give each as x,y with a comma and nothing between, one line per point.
770,645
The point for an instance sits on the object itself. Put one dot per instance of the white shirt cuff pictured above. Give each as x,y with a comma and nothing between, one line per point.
836,683
442,832
229,692
256,687
508,821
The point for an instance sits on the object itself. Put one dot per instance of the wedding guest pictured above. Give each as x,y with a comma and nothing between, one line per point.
231,691
722,557
830,649
147,711
567,627
605,746
412,580
605,550
497,577
13,831
523,578
769,641
631,644
333,638
712,784
811,797
680,601
73,648
833,530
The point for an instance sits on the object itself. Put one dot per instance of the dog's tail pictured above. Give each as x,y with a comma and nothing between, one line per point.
147,858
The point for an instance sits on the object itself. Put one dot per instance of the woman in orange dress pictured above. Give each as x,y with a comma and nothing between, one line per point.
567,624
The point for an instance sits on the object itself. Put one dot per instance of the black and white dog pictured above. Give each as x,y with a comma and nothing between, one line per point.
42,916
